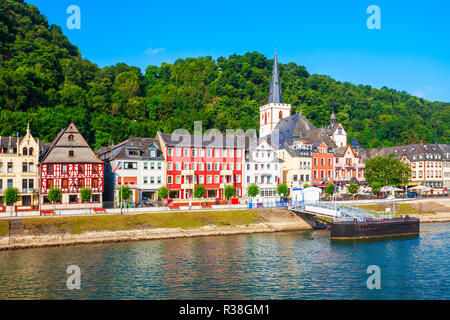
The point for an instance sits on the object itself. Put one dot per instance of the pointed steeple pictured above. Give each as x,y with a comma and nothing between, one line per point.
275,93
333,118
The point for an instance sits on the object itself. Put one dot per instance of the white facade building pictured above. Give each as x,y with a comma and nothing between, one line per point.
263,168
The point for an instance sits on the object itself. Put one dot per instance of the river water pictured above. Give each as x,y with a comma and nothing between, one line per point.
288,265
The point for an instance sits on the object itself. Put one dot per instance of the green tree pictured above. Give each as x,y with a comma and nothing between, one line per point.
376,188
86,194
306,185
11,196
163,192
54,195
253,190
199,191
125,193
329,189
229,192
387,171
353,188
282,190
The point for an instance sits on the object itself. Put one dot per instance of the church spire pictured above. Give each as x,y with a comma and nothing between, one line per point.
275,93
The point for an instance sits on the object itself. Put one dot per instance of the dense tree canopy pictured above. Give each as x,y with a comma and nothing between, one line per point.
386,171
45,80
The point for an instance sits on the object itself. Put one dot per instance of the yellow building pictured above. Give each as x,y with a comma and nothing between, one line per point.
19,158
296,158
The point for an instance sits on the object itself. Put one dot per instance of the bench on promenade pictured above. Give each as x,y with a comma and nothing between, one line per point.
46,212
100,211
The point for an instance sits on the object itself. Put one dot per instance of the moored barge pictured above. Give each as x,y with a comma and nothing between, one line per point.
403,226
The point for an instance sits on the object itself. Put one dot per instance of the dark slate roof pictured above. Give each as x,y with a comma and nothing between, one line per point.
355,143
58,152
296,152
119,151
409,151
204,141
275,92
293,127
8,142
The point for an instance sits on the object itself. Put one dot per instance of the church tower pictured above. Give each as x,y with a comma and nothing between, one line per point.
275,110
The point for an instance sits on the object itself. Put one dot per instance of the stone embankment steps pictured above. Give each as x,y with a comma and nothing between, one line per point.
16,227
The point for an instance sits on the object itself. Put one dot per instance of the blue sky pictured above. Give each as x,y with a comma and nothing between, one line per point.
410,52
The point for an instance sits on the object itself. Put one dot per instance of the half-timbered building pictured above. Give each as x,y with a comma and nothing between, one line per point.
69,164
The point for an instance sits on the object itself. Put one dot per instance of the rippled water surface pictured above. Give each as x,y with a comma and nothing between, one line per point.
262,266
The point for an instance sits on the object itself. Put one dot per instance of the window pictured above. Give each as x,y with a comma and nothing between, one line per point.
25,151
30,153
238,179
194,152
49,169
145,165
186,152
95,198
152,180
208,152
231,153
186,166
80,169
216,166
95,168
133,153
170,166
169,152
178,166
238,153
153,154
65,183
71,137
145,180
152,165
217,153
169,179
73,199
201,179
209,179
231,165
49,183
208,166
1,167
80,183
216,179
130,165
24,167
178,152
24,184
71,153
64,169
159,165
201,166
10,167
178,179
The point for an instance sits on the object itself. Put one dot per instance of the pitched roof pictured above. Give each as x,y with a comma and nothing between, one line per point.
293,127
275,92
70,139
119,151
204,141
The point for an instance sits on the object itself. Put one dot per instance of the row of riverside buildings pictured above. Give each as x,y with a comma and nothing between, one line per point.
290,150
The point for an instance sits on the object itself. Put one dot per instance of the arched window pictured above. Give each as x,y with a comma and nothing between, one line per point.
71,137
30,152
281,115
25,151
265,118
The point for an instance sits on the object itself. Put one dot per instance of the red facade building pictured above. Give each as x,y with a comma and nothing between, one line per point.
322,165
211,161
70,165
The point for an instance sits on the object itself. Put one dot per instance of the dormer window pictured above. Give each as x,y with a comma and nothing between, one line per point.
133,153
153,154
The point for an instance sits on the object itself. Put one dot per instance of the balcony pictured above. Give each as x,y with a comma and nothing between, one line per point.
28,191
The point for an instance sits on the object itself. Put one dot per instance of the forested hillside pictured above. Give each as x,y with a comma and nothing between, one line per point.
45,80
